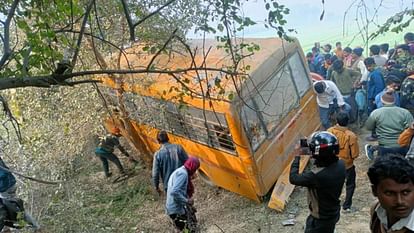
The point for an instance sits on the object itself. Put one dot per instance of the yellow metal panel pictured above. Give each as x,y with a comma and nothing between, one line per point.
283,187
275,154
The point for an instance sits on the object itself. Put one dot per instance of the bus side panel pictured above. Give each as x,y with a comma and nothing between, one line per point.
223,169
277,154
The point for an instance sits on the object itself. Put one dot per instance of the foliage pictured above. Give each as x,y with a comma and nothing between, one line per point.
396,23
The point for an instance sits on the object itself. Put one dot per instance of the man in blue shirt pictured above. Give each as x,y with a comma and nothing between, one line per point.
375,83
166,160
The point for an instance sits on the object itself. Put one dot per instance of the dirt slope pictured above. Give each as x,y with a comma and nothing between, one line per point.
221,211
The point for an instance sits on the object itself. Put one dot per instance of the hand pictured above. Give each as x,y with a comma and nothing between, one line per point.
300,150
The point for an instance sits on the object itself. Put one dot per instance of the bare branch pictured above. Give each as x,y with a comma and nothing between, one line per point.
129,20
153,13
82,31
132,25
6,40
162,49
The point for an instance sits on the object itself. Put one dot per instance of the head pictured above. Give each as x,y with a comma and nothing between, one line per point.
327,48
392,82
384,48
391,53
402,50
374,50
392,182
309,56
409,37
357,52
162,137
319,87
338,66
327,58
192,164
315,50
347,51
342,119
370,63
324,147
338,45
387,98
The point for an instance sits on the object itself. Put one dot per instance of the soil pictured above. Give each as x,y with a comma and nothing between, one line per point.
222,211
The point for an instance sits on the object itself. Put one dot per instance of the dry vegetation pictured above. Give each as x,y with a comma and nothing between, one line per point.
59,127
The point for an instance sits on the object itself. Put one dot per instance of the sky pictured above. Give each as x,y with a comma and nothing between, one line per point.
304,17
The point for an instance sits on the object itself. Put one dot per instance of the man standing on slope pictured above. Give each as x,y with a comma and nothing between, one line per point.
166,160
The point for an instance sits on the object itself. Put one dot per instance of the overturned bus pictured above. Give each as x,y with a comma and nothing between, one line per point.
243,129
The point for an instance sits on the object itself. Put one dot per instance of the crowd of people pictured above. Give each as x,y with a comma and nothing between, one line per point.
378,91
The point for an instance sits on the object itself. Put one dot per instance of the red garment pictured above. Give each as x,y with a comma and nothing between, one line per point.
191,165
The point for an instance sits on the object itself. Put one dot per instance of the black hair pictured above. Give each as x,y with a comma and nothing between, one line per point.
309,54
390,79
409,36
358,51
375,49
162,137
327,56
348,49
403,47
384,47
329,46
342,118
369,61
393,167
338,65
319,87
338,43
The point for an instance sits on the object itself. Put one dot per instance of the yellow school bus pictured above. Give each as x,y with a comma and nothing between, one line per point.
245,135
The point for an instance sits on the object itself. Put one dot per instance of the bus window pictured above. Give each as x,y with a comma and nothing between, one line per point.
253,124
276,98
299,74
209,128
188,122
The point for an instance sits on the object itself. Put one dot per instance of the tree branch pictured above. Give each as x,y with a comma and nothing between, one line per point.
129,20
162,49
50,80
132,25
6,40
82,31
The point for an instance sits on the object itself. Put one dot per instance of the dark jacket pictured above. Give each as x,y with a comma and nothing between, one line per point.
7,179
108,143
166,160
324,187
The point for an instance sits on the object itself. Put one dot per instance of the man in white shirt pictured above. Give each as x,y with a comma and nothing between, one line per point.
392,180
328,96
374,52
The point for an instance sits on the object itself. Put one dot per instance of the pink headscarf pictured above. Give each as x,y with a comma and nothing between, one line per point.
191,165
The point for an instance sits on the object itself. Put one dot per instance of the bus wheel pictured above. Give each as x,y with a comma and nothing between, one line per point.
205,178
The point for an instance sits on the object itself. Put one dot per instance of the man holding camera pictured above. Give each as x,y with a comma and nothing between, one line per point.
324,182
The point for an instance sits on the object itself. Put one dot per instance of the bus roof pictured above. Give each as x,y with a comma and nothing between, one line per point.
258,64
